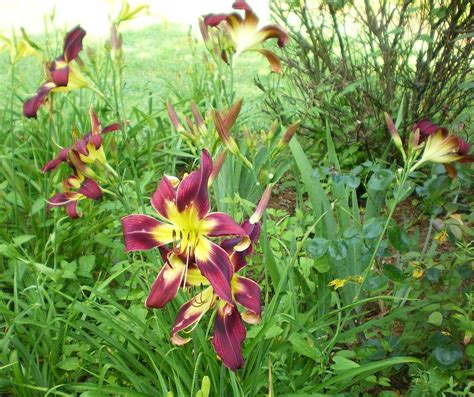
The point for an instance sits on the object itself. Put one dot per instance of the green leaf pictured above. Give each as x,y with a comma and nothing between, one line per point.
373,228
394,273
273,332
69,364
317,247
19,240
337,250
305,347
86,265
343,364
399,238
435,318
447,356
323,264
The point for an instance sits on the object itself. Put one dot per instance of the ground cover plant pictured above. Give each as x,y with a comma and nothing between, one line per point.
195,242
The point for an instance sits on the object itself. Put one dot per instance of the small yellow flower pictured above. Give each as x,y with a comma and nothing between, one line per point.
338,283
418,273
441,236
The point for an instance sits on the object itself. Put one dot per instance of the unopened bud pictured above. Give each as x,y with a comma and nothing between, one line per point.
262,205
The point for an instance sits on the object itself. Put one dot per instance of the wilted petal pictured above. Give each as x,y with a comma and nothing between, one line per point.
215,265
247,293
163,195
73,43
229,333
31,106
142,232
191,312
193,189
90,189
166,285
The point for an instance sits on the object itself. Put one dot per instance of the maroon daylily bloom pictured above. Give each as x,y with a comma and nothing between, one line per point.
229,332
86,188
188,226
86,150
440,147
243,34
59,72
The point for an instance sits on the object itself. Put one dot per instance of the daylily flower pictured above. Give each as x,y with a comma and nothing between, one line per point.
440,147
86,188
187,225
242,34
229,332
86,150
62,74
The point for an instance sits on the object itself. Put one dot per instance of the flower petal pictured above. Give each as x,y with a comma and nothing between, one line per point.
275,32
142,232
219,224
247,293
215,265
193,189
110,128
195,278
52,164
59,73
229,333
90,189
31,106
192,311
73,43
166,285
71,210
271,58
163,195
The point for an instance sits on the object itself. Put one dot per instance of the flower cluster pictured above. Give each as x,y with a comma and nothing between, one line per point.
62,74
79,157
192,259
230,35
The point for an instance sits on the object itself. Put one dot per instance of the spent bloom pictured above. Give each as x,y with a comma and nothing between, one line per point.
187,225
62,73
232,35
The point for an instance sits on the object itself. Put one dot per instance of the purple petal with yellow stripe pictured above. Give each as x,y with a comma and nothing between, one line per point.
190,313
142,232
164,194
215,265
193,189
221,224
166,285
248,294
229,333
